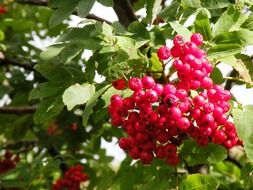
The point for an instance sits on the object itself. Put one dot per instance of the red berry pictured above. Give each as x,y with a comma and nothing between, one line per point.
135,84
119,84
163,53
197,39
148,82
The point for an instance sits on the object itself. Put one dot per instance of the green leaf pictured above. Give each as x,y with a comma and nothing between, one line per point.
128,45
54,72
71,51
215,4
242,37
243,121
48,109
210,4
230,20
77,95
223,50
84,7
91,103
248,24
191,3
45,90
202,24
169,13
155,64
152,9
246,176
2,36
108,3
248,146
85,37
139,30
199,182
65,9
180,29
227,169
217,76
194,154
52,51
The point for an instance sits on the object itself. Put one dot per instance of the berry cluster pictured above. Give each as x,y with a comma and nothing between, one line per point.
3,10
8,162
72,179
157,117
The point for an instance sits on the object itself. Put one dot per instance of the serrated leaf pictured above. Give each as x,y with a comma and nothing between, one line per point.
246,176
199,182
45,90
54,72
230,20
139,30
202,24
248,24
182,30
243,121
169,13
77,95
48,109
217,76
152,9
66,7
194,154
155,64
84,7
52,51
210,4
241,37
128,45
223,50
70,52
248,146
91,103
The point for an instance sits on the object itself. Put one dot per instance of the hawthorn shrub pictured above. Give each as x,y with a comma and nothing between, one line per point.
167,87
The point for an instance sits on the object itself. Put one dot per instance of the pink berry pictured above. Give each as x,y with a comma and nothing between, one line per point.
119,84
197,39
135,84
163,53
148,82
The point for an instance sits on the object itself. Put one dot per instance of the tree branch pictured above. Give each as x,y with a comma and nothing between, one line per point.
16,63
33,2
45,3
18,110
124,11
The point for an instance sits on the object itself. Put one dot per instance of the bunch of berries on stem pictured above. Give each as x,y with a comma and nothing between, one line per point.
8,162
72,179
158,117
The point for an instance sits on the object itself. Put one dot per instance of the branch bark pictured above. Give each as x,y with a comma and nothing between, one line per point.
18,110
124,11
45,3
16,63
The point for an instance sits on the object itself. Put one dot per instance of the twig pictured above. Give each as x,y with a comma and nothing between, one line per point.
16,63
18,110
229,82
124,11
45,3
